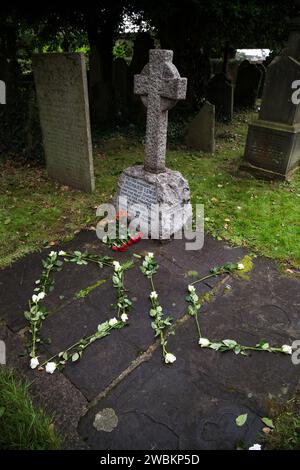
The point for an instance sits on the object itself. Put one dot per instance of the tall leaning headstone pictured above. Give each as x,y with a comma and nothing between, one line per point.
160,87
62,94
273,142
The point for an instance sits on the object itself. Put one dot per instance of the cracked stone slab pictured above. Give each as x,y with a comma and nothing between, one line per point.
193,404
171,408
106,359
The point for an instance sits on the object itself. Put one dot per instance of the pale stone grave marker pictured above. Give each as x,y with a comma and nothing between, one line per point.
201,130
160,86
62,95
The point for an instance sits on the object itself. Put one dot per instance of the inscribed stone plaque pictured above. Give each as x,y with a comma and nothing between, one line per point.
61,87
138,192
268,148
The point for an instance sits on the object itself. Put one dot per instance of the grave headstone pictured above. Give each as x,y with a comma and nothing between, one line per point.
247,85
61,87
273,142
220,94
121,86
201,130
160,86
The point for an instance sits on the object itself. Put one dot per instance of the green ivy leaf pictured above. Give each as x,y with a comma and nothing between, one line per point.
2,411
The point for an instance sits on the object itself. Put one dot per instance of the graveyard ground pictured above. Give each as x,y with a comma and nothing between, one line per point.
36,212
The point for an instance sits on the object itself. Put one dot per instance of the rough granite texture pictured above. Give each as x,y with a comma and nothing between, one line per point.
160,87
172,194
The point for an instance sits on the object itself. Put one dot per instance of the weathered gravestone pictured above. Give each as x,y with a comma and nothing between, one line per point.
160,86
247,85
220,94
201,130
121,86
62,95
273,142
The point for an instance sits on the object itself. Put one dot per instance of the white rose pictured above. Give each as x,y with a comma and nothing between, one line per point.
35,298
241,266
113,321
287,349
153,295
34,362
255,447
191,289
50,367
117,265
170,358
41,295
124,317
150,255
204,342
62,253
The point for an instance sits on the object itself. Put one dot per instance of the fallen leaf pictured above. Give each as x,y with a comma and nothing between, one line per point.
241,420
268,422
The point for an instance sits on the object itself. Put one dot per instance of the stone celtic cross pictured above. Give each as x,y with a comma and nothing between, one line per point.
160,86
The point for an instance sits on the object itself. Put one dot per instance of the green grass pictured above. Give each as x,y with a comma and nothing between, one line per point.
22,426
286,432
262,215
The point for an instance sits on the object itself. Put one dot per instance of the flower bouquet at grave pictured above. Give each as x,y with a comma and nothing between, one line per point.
127,239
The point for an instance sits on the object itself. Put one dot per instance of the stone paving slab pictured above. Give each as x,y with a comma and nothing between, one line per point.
193,404
172,407
81,318
189,405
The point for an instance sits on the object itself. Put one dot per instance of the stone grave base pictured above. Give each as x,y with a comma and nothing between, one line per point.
162,201
272,150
